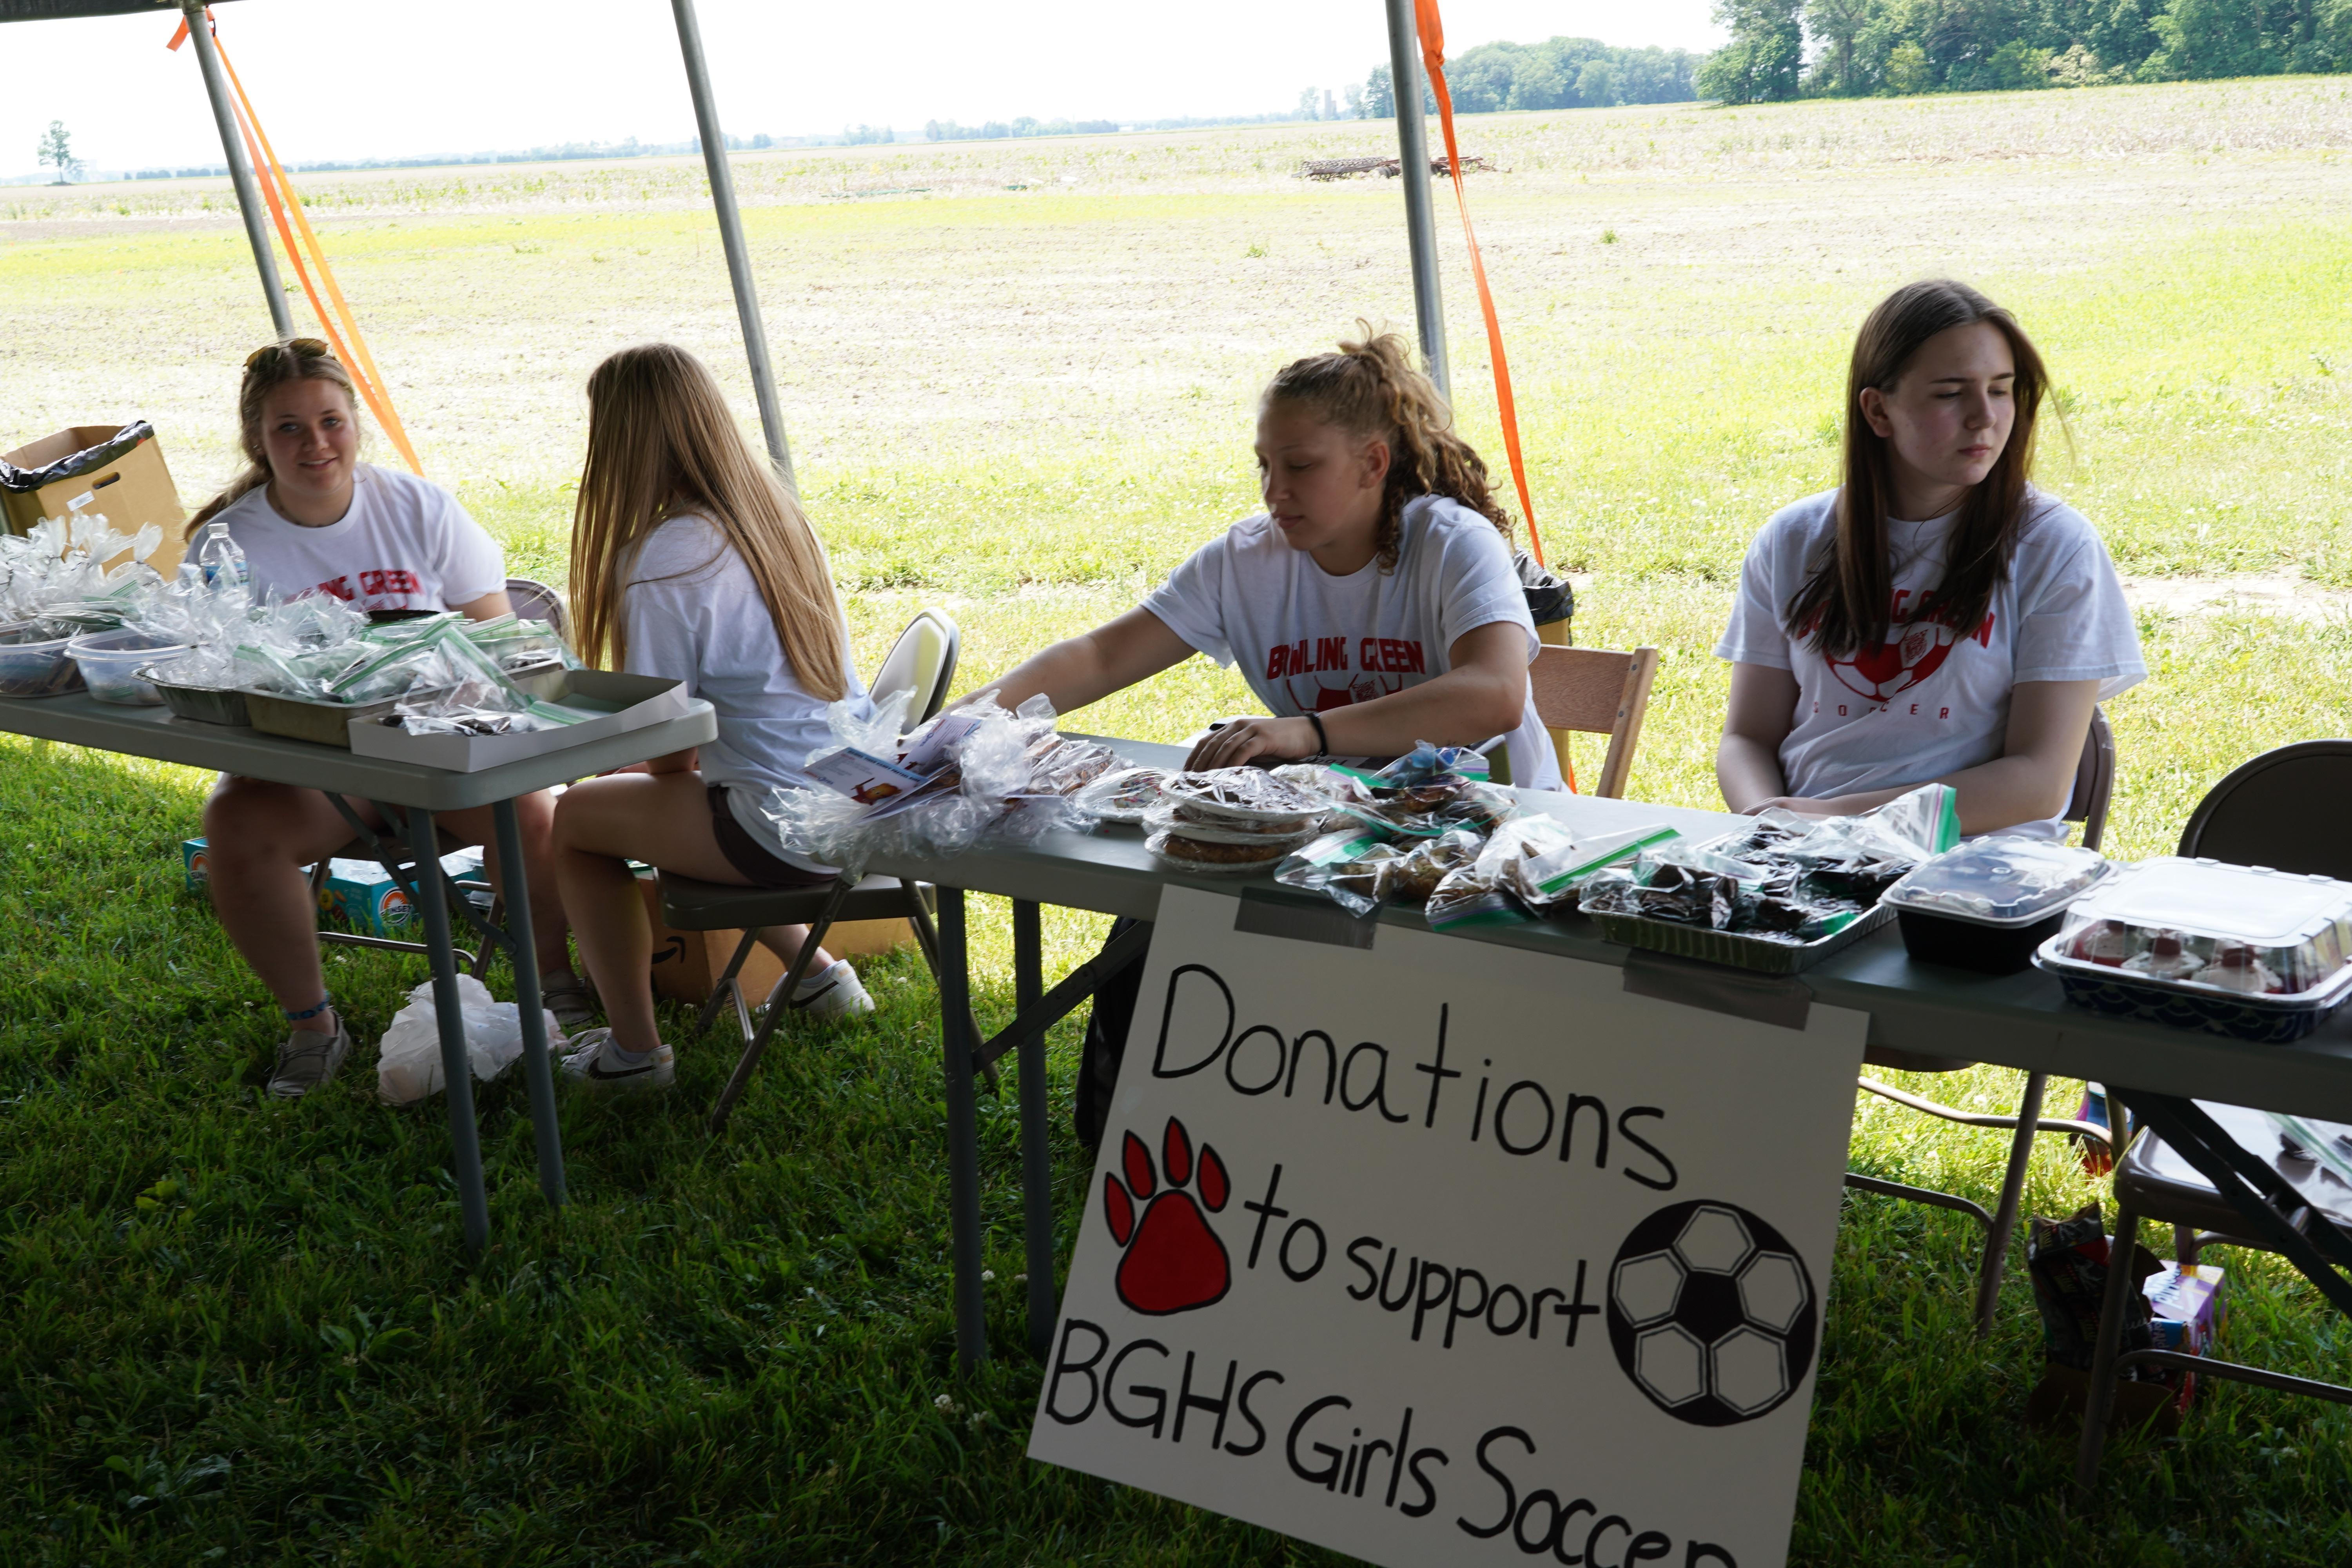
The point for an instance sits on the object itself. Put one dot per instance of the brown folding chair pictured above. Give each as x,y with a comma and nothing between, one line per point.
2094,784
1597,692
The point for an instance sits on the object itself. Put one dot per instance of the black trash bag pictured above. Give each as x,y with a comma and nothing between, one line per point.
1548,598
13,477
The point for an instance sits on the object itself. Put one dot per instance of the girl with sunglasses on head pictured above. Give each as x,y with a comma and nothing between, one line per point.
1372,605
311,518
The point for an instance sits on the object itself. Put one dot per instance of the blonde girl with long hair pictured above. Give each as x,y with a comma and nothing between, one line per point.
1936,618
1373,604
311,518
690,560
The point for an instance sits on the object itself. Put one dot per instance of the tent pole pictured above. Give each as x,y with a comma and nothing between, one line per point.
240,172
1420,215
730,235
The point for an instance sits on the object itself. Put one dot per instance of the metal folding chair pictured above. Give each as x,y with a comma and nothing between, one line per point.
2153,1182
923,661
2094,784
2259,815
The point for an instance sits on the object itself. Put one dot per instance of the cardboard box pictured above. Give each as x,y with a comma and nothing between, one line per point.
359,893
364,897
620,702
686,962
130,492
2186,1305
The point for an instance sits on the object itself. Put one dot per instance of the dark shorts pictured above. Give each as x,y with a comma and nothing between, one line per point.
760,866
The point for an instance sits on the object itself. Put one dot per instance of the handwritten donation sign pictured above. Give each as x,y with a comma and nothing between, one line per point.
1444,1252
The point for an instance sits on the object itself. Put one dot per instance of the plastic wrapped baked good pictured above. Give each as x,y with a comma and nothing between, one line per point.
1242,796
1426,864
1352,868
2239,950
1204,858
1125,795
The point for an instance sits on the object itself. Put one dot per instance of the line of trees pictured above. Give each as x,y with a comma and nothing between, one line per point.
1854,48
1559,73
1023,125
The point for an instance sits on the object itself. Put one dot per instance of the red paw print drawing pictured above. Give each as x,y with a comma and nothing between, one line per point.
1174,1262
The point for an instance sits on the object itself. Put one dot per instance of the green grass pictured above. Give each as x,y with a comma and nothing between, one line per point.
242,1331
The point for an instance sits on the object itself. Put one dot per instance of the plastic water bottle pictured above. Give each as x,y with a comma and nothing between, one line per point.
222,562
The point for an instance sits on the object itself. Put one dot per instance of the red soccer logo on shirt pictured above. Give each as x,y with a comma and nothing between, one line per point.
1910,658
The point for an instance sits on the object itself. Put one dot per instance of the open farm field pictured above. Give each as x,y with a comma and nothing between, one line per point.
1019,380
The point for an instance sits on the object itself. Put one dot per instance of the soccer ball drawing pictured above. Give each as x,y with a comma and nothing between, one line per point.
1712,1313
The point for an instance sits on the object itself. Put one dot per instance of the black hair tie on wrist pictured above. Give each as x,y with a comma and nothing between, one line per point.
1322,740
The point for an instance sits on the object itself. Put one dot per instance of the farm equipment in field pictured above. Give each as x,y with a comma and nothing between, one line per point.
1387,168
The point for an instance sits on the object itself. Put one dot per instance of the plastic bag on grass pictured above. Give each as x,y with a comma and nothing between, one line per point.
408,1061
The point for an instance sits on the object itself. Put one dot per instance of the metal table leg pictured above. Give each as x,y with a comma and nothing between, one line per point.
2100,1398
456,1070
963,1131
538,1071
1036,1153
2012,1195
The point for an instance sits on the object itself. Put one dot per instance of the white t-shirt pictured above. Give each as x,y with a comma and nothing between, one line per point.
1931,701
692,613
1309,642
404,544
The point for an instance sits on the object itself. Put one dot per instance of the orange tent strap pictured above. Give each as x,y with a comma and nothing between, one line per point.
349,344
359,359
1431,26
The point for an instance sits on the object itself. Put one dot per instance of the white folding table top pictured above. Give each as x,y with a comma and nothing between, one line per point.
80,720
2018,1020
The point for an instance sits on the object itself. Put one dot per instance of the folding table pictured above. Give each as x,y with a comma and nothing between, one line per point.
2018,1021
418,792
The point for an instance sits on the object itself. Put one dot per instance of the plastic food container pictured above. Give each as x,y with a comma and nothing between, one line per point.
1736,949
33,658
2239,950
110,664
207,704
1987,906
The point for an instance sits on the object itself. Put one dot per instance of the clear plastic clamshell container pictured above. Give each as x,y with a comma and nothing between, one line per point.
33,658
1986,906
2240,950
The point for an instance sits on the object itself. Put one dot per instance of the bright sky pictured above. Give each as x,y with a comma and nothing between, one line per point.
399,78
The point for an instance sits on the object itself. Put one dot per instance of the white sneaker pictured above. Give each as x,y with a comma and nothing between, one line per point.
833,993
588,1068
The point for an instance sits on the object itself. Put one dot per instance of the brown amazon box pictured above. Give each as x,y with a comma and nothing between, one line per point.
131,491
686,962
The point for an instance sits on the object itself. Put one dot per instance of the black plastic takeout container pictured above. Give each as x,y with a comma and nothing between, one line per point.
1988,904
1972,944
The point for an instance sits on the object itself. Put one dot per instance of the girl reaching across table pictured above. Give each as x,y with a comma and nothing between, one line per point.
690,560
1371,605
1935,618
311,518
1374,605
